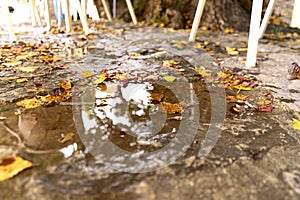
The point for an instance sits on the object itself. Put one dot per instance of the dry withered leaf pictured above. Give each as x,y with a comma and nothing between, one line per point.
231,99
203,72
2,118
28,69
86,74
21,80
232,51
170,79
29,103
12,166
296,124
171,108
263,102
170,63
66,138
157,96
241,87
13,63
265,108
66,85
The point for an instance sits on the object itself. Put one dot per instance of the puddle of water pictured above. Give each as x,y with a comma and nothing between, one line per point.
134,124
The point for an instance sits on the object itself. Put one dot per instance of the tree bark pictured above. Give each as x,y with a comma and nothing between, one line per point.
217,15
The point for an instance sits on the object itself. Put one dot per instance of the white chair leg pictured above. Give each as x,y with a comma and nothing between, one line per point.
114,9
83,7
106,9
33,13
12,35
35,17
82,17
197,19
295,22
131,11
59,13
47,15
254,33
266,18
92,11
66,10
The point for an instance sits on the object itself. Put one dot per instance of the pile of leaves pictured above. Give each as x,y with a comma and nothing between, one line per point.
33,68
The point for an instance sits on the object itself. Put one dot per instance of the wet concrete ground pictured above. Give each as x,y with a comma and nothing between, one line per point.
205,152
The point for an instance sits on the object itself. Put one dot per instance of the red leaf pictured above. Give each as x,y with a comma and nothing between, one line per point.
265,108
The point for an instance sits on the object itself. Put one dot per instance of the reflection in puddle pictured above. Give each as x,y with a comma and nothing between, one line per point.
126,125
130,108
69,150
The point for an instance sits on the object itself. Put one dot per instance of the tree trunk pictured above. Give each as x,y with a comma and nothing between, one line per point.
217,15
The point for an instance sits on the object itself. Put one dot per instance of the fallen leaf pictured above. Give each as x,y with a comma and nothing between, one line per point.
170,79
120,77
86,74
29,69
135,54
228,30
171,108
66,138
12,166
169,63
296,124
178,45
101,79
242,49
265,108
2,118
263,102
225,75
203,72
66,85
29,103
242,97
157,96
21,80
240,87
231,99
12,64
232,51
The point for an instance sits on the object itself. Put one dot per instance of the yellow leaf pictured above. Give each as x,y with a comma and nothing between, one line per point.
22,57
8,170
240,87
231,99
66,85
2,118
242,49
12,64
101,78
170,78
171,108
29,103
228,30
29,69
66,138
296,124
242,97
169,63
263,102
203,72
22,80
135,54
178,45
86,74
232,51
225,75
